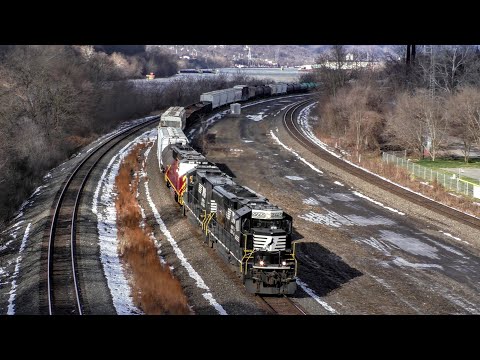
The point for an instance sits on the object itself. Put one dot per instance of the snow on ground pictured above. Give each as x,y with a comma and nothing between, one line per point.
367,221
183,260
453,237
257,117
295,178
13,289
342,197
329,219
143,174
294,153
26,204
308,132
324,199
409,244
103,205
377,202
311,201
333,219
316,297
404,263
450,249
338,183
376,244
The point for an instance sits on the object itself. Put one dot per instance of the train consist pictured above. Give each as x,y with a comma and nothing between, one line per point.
240,93
252,234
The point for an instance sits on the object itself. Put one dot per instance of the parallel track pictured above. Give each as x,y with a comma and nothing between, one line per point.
294,130
64,295
281,305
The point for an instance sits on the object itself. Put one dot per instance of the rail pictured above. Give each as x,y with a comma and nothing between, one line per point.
62,282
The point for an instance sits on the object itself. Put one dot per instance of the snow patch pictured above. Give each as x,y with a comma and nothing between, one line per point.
294,153
329,219
404,263
13,289
377,202
367,221
315,297
338,183
324,199
342,197
295,178
257,117
376,244
311,201
156,241
450,249
107,228
453,237
409,244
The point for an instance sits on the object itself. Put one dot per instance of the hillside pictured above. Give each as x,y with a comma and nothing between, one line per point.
213,56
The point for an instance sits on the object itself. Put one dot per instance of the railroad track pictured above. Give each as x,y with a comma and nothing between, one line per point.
281,305
295,131
64,295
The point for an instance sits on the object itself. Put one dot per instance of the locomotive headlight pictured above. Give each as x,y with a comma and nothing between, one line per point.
262,263
284,263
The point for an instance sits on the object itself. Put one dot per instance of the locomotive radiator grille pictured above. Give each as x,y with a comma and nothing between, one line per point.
269,243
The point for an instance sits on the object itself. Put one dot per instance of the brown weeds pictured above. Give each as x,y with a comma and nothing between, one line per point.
155,290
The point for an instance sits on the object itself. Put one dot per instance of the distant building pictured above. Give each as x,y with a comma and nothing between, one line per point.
349,63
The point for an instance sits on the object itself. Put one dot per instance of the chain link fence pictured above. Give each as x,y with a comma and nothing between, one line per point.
448,181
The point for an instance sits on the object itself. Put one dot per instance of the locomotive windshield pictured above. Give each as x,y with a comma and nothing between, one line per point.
284,224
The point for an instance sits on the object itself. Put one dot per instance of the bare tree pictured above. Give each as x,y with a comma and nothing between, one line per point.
419,123
332,72
456,66
463,110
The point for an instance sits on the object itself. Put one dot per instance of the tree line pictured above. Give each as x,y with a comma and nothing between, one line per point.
55,99
418,106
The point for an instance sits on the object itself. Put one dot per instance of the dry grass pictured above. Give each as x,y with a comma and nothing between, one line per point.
373,162
155,290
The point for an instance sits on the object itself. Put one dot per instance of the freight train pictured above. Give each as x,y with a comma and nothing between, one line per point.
252,234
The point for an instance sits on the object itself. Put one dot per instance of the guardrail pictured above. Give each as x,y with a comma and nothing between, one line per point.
448,181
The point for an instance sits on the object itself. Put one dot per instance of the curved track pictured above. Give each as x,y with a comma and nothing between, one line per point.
294,130
281,305
64,295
